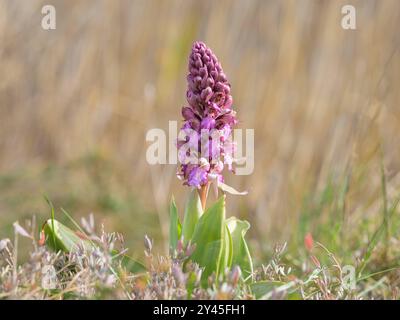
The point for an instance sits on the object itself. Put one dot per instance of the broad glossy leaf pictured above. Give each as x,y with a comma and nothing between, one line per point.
193,212
62,238
240,251
175,228
209,239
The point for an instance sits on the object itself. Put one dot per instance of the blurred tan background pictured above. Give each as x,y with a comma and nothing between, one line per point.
76,103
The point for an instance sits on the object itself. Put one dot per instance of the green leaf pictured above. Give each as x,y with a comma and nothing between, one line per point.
191,284
62,238
209,239
226,256
131,264
52,217
240,251
262,288
193,212
175,228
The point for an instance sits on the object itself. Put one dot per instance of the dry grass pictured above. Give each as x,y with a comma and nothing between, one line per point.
75,104
95,272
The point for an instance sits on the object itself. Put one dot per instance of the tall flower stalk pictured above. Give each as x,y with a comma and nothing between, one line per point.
205,149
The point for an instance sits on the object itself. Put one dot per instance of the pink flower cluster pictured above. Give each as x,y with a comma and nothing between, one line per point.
205,148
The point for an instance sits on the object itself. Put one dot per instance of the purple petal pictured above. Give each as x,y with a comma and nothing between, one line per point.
197,177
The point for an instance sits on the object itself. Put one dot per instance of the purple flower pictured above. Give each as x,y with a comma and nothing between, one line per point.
197,177
209,109
208,123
